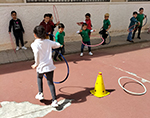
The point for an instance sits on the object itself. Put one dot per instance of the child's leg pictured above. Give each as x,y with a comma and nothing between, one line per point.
17,39
40,82
56,53
50,83
21,39
134,32
82,47
139,31
62,49
89,43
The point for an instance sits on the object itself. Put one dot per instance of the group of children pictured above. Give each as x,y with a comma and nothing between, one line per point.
137,18
86,30
42,47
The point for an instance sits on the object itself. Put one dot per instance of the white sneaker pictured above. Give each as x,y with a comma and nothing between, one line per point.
39,96
90,53
17,48
54,103
81,54
24,48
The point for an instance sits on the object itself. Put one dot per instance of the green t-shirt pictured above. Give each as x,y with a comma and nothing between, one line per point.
140,18
60,37
106,23
85,35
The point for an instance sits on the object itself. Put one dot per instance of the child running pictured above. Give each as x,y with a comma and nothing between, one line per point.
106,27
140,17
52,26
46,24
60,39
17,30
42,49
133,20
84,32
87,21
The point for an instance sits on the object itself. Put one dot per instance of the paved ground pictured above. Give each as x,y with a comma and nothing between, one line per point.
71,47
18,84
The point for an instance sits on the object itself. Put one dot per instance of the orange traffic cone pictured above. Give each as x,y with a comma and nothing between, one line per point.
99,90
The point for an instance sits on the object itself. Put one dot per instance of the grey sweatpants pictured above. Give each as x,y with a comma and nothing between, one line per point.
49,76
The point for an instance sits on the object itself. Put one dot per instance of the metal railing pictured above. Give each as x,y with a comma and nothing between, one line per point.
46,1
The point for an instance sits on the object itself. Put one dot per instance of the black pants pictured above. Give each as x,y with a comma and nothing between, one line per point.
139,31
104,35
88,43
50,83
51,37
19,36
62,51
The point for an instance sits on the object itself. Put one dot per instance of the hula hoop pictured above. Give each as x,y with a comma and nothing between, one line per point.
145,90
12,43
145,21
134,28
67,69
55,13
93,45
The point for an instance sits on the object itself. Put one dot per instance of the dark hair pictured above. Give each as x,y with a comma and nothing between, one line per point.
84,24
135,13
13,12
88,14
40,32
49,15
46,15
141,9
60,25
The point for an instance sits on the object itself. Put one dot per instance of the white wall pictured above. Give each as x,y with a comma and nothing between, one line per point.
32,14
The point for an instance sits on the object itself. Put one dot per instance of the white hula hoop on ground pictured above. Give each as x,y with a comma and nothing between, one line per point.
145,90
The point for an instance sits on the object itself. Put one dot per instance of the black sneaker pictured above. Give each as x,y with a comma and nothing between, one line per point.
139,37
55,60
60,59
130,41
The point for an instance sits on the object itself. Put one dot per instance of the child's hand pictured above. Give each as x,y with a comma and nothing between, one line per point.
49,33
139,23
94,30
57,22
79,24
61,46
9,32
33,66
128,30
80,30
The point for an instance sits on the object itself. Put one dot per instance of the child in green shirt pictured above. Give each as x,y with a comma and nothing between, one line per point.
106,27
140,17
84,32
60,39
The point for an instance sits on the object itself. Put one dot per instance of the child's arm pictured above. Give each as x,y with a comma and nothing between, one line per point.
92,30
21,26
56,44
78,32
36,56
10,25
108,27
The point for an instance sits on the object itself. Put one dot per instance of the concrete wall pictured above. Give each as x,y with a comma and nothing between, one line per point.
32,14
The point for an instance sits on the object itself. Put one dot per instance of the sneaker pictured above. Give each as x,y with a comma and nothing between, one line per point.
139,37
60,59
90,53
39,96
24,48
55,60
81,54
17,48
54,103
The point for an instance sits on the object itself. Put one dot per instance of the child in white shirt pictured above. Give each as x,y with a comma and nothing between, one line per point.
42,49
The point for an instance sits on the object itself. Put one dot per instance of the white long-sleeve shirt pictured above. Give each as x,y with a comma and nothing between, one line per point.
42,50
